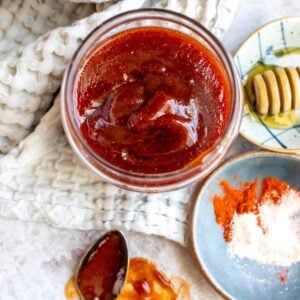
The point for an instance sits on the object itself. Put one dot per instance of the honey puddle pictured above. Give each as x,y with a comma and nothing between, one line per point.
144,281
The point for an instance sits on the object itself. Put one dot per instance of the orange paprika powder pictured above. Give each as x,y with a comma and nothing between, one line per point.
245,200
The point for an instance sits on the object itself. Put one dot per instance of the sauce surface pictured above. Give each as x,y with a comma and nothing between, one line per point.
152,100
102,273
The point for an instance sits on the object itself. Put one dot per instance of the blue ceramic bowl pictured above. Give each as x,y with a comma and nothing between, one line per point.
236,278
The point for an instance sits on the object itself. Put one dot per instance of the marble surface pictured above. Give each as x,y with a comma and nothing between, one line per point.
35,265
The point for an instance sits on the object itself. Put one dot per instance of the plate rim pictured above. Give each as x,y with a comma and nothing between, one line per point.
236,53
196,202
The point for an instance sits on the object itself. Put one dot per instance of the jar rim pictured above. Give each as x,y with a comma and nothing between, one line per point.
143,181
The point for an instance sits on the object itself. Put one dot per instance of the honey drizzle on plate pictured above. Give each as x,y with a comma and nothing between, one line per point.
282,120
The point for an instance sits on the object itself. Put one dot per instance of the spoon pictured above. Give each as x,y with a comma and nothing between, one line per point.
103,269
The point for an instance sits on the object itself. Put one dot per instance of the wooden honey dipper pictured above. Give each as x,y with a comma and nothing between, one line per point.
277,91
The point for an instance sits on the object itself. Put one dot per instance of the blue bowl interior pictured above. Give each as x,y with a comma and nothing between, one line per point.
243,278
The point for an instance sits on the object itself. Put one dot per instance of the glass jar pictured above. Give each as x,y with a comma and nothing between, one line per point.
149,182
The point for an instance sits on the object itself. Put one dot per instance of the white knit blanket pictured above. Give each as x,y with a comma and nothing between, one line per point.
40,177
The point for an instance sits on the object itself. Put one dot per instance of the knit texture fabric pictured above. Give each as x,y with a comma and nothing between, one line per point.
40,177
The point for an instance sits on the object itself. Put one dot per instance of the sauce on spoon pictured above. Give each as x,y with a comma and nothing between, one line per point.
102,272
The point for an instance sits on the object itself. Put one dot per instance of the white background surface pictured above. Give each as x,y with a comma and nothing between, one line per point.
42,264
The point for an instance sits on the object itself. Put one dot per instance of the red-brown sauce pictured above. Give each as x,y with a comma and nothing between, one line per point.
152,100
102,270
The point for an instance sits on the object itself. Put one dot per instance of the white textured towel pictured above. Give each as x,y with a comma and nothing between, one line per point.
40,177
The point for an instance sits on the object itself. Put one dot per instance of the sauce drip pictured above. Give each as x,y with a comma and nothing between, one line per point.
102,273
145,281
152,100
71,292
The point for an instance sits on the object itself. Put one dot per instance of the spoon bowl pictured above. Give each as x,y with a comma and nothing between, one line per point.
103,268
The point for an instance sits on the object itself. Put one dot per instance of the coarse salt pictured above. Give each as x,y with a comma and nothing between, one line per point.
272,236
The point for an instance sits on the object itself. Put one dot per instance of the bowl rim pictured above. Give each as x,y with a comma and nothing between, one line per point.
195,202
236,53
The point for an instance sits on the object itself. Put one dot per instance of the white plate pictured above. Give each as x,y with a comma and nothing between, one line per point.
261,46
